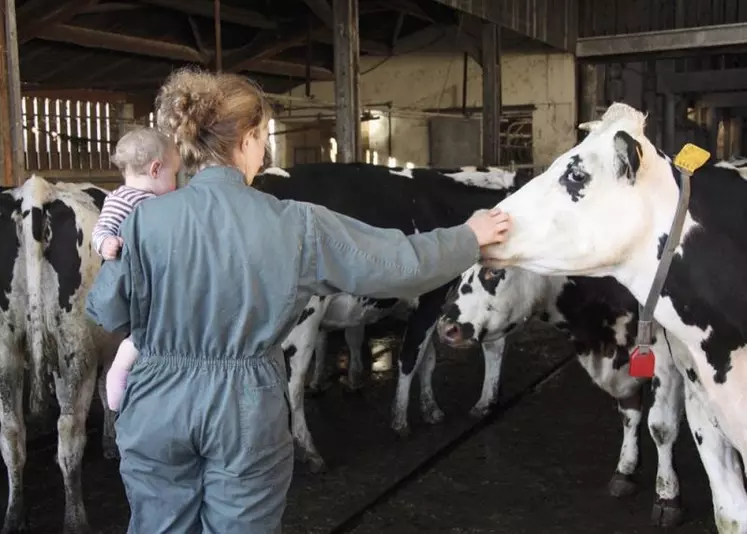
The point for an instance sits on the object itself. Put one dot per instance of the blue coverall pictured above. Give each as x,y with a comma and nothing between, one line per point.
210,279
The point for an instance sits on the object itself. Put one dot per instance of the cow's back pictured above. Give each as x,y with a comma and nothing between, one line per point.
406,199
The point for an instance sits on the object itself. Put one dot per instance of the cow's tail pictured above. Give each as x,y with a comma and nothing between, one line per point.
37,192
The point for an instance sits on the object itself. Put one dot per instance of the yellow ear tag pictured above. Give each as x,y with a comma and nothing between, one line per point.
691,158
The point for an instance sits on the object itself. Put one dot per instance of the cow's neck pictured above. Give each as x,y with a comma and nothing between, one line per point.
702,302
638,273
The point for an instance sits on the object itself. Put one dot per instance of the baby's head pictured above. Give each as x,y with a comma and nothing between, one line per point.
148,160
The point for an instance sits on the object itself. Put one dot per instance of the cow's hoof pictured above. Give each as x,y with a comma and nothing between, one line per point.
479,412
622,485
402,430
667,513
433,416
317,466
111,452
109,448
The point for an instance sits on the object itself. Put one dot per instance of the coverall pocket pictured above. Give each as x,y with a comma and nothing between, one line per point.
264,414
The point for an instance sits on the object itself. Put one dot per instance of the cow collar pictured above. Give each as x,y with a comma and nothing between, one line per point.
642,361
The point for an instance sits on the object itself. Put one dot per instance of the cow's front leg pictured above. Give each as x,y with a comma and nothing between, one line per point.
623,483
493,354
721,463
668,393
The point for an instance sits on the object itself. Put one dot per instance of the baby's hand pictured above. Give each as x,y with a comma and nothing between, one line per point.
110,247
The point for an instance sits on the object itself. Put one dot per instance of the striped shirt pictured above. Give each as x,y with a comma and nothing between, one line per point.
117,206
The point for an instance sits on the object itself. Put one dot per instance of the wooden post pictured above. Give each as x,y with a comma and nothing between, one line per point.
218,39
649,100
737,125
491,94
670,123
347,77
465,66
12,165
589,75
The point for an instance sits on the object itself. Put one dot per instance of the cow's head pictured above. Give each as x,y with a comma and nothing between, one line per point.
487,304
587,212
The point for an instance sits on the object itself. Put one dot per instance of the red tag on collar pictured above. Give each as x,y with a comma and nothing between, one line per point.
642,365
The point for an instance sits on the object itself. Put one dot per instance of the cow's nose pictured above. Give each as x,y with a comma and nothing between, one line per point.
449,331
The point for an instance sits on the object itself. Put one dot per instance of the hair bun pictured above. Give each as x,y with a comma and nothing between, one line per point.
187,102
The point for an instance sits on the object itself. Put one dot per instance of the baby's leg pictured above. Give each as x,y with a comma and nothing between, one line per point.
116,378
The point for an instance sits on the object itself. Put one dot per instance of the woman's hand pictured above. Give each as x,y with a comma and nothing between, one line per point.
490,226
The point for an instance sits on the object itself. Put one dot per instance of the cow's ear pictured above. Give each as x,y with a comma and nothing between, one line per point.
629,154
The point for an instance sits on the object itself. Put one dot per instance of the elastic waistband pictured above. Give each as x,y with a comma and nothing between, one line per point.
274,358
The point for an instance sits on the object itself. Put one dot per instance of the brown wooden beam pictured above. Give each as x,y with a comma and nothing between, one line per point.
263,46
322,10
286,68
706,81
118,42
111,7
421,39
32,22
407,7
325,35
204,8
95,95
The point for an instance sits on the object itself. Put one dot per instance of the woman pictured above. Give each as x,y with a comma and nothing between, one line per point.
210,280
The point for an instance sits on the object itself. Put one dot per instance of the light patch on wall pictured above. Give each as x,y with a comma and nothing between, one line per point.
410,165
375,158
392,162
273,142
333,149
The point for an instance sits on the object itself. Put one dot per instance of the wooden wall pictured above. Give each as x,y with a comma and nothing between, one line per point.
609,17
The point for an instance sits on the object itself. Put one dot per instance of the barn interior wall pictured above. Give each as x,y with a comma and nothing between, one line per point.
434,81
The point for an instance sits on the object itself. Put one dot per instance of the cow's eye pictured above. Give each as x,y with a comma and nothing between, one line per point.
578,176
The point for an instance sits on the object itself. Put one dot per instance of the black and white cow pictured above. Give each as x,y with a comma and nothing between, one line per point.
411,200
46,268
605,207
600,316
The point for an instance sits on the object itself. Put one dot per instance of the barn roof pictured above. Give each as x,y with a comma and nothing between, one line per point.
131,46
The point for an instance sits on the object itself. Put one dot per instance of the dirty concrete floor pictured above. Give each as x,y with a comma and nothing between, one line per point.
539,466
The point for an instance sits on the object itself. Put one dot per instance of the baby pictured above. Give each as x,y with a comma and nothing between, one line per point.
149,162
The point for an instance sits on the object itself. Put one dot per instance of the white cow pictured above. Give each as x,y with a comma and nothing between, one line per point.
46,268
605,207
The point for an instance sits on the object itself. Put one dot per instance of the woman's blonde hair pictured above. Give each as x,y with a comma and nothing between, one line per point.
208,114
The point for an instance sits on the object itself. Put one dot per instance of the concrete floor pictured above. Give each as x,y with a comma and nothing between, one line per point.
540,465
